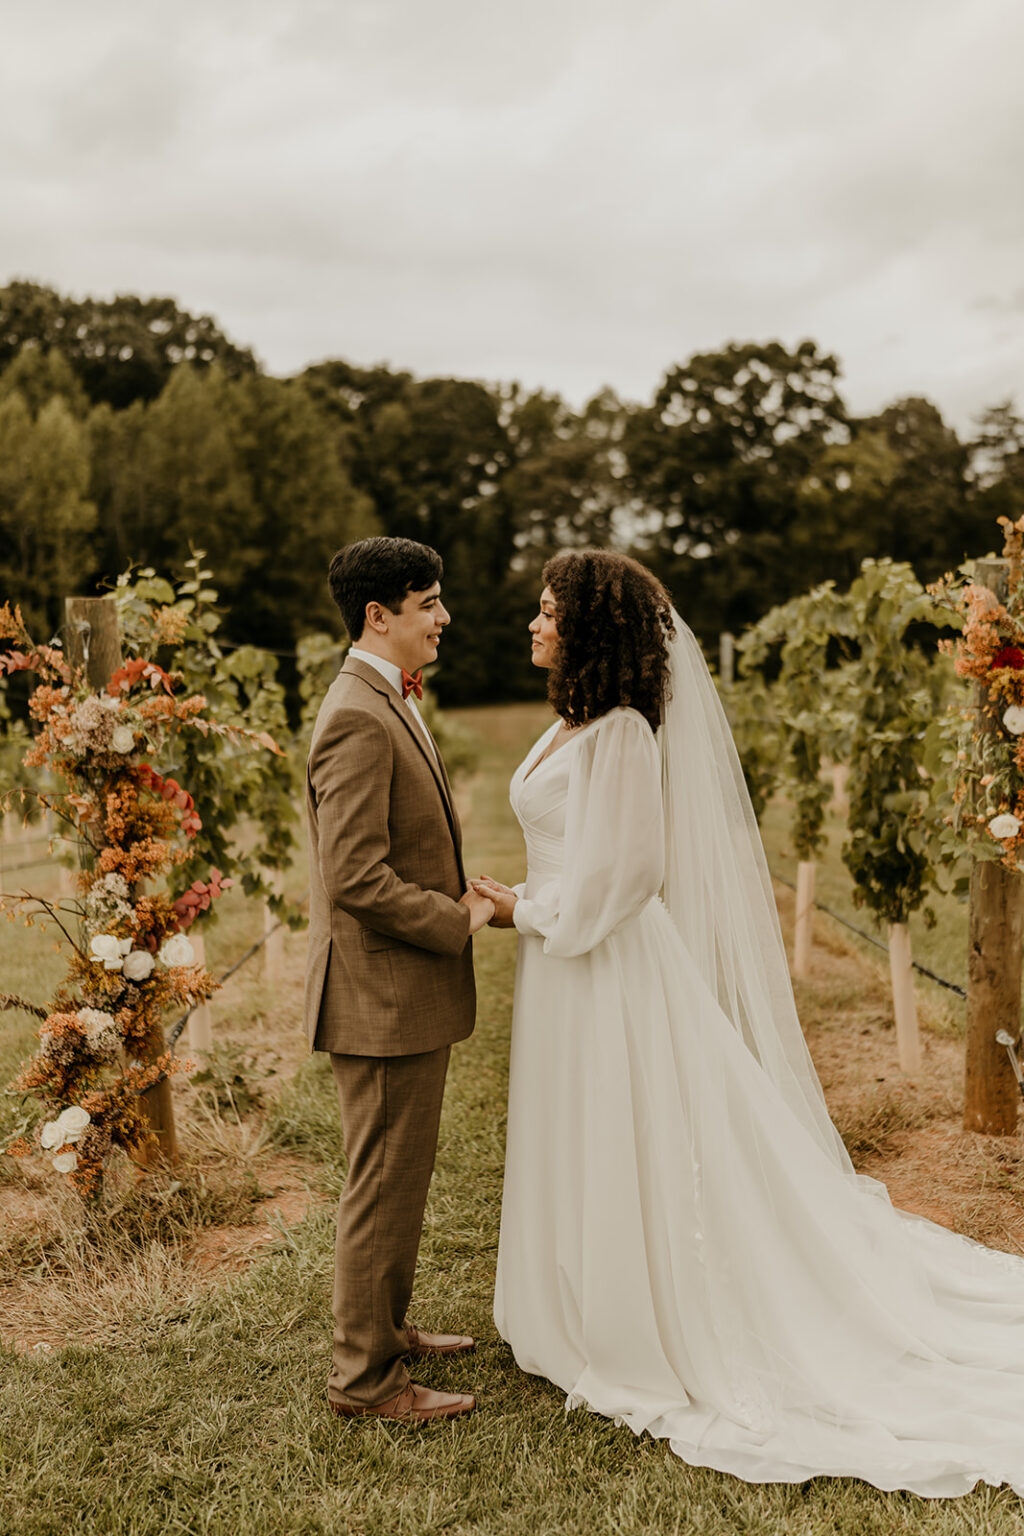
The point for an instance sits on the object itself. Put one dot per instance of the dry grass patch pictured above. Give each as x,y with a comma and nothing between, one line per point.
904,1130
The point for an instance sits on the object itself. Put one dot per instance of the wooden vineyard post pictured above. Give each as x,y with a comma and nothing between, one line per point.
65,879
995,930
840,798
200,1020
726,658
273,937
908,1039
93,640
804,927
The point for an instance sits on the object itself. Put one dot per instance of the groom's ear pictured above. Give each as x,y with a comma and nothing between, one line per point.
375,617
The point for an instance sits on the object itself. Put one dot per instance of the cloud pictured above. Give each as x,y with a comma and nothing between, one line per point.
570,194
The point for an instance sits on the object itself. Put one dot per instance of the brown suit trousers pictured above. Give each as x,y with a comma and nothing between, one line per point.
390,1109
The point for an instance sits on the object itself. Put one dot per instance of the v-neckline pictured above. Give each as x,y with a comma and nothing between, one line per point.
546,757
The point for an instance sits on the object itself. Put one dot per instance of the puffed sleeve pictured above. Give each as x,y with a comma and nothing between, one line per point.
614,858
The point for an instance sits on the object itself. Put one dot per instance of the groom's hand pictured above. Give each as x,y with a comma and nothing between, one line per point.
502,897
481,908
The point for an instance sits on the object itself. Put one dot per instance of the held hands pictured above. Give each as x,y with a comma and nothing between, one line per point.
481,907
502,898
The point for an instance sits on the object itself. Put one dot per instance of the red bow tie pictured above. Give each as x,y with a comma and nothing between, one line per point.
412,682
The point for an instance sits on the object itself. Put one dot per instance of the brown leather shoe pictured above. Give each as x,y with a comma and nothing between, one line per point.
413,1405
421,1343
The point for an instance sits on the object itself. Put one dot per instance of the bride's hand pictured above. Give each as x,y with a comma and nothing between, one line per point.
503,897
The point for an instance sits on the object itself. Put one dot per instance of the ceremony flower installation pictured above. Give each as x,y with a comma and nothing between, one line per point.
101,1041
989,758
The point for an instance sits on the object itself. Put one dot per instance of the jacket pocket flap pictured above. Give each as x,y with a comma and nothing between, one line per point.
373,940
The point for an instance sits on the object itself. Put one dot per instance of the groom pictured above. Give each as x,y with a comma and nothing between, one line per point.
389,974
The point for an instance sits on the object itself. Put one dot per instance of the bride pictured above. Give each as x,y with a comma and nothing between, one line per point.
685,1246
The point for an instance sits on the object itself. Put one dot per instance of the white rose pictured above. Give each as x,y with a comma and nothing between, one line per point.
52,1135
138,965
1004,826
107,949
71,1122
1014,720
66,1162
177,950
123,739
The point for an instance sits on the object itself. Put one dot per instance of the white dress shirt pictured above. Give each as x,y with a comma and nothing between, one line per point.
393,675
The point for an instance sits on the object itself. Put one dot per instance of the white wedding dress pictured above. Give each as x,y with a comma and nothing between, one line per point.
685,1246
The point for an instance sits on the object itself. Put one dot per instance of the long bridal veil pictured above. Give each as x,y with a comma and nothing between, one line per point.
718,890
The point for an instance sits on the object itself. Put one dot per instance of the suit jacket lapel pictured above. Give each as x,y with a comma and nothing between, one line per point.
433,759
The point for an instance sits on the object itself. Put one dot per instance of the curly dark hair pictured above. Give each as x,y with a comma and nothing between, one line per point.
614,621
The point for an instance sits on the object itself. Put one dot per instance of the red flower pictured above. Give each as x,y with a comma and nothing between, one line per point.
170,789
198,897
1009,656
125,678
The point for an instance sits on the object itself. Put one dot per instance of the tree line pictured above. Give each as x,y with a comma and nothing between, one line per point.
131,431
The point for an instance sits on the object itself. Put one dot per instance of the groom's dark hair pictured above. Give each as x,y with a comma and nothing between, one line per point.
380,571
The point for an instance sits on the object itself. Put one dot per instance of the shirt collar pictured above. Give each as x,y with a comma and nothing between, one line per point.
387,669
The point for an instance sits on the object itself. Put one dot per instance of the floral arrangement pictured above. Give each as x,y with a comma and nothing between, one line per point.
101,1042
987,760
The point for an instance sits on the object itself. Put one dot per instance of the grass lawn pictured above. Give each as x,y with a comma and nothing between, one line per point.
200,1408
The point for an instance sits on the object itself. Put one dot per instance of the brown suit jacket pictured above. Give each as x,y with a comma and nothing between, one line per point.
389,970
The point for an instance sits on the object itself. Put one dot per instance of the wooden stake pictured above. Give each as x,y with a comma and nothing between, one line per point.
93,640
273,948
803,935
726,658
200,1020
995,930
92,637
840,799
65,877
908,1039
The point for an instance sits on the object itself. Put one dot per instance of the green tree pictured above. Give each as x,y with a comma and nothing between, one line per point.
844,507
932,524
717,463
304,508
429,454
39,376
46,517
122,349
249,468
997,465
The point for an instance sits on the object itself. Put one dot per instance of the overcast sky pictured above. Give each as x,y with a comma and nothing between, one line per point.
570,193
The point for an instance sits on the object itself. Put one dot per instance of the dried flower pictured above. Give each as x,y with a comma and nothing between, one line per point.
100,1030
